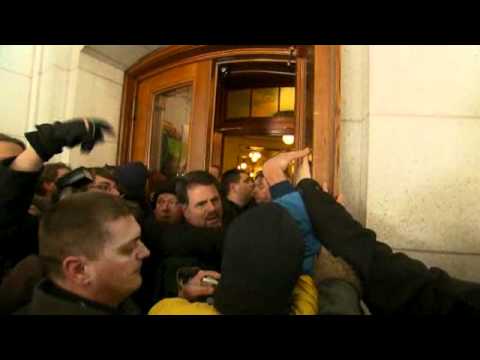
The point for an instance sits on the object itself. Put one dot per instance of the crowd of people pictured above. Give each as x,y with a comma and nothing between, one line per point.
126,240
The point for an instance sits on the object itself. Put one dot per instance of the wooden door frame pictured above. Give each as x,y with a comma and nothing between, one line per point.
318,69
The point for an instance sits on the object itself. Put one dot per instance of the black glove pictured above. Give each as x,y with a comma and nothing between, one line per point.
49,139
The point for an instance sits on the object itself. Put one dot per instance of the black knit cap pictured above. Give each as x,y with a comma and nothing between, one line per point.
165,187
261,263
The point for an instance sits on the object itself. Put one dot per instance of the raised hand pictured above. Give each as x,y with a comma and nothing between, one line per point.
195,288
303,170
282,160
49,139
96,130
274,168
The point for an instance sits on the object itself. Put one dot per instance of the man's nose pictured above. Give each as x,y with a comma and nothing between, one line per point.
164,207
144,252
210,207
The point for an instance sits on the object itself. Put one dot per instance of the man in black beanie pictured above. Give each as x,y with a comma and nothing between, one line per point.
262,261
261,270
132,179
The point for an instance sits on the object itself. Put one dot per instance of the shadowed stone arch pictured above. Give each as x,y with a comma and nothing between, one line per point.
120,56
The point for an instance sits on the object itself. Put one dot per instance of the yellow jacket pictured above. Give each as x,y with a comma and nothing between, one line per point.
305,302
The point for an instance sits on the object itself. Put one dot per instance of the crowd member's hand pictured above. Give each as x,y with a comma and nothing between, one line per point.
96,128
195,289
49,139
303,170
282,160
274,168
329,267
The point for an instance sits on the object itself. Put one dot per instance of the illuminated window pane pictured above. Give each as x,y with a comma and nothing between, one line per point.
287,99
238,104
265,102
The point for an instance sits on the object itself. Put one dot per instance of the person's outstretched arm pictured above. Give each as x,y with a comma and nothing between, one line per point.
284,194
393,283
18,176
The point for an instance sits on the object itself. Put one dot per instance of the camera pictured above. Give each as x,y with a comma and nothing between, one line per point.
72,182
76,179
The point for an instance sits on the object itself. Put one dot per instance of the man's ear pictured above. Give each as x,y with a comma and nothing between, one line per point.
233,187
75,270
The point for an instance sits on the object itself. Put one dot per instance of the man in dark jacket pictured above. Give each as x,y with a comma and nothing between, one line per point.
261,191
392,282
91,249
20,168
197,241
200,234
237,190
165,211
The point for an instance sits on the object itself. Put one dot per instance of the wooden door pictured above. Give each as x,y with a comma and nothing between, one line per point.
171,115
318,110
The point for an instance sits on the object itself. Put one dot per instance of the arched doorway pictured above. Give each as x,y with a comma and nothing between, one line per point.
170,108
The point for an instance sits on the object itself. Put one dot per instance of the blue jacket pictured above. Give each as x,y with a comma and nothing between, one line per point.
285,195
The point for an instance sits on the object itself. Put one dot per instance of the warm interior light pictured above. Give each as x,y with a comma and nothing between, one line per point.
255,156
243,165
288,139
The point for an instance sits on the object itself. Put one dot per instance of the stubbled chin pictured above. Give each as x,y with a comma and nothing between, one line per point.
213,223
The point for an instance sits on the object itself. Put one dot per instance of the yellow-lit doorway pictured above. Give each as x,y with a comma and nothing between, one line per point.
249,153
254,113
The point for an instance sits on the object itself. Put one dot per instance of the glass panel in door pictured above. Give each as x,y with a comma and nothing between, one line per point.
169,148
